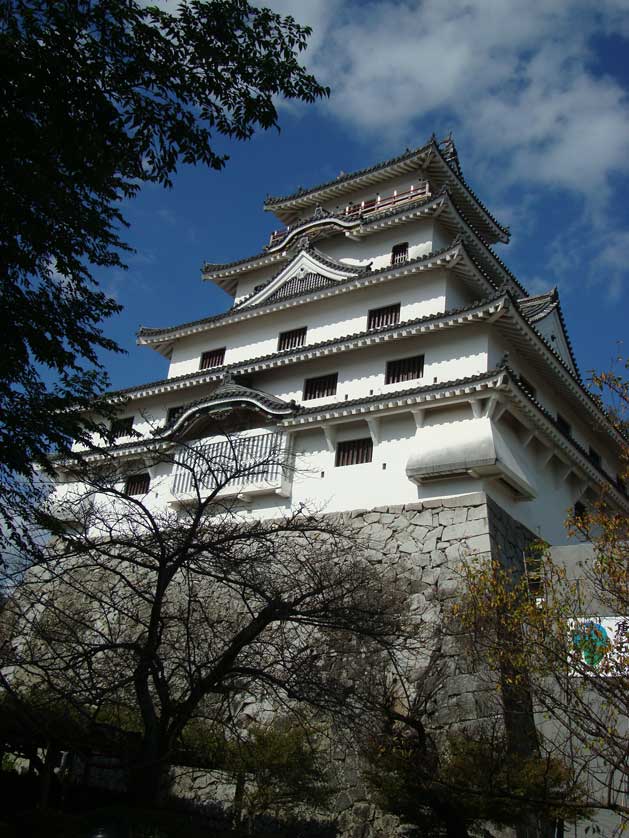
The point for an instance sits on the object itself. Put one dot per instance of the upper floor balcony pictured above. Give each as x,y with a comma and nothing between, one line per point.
240,466
357,211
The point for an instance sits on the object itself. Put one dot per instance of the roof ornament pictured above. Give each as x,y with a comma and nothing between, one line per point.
320,213
504,361
303,243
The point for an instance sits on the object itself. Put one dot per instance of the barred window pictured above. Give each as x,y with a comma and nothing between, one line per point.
291,339
122,426
354,451
137,484
323,385
404,369
595,457
385,316
579,510
173,413
399,253
563,425
212,358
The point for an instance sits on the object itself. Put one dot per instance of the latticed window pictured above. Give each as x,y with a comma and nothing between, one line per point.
137,484
292,339
385,316
399,253
354,451
404,369
122,426
173,413
563,425
212,358
323,385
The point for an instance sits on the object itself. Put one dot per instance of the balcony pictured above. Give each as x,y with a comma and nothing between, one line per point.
245,466
359,211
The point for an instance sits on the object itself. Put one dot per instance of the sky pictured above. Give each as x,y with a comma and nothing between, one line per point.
536,97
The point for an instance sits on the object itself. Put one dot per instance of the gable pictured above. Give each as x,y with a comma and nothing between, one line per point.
551,327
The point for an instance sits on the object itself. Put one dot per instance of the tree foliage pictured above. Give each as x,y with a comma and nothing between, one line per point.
98,97
545,628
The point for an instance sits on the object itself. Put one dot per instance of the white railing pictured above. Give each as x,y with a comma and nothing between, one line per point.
362,208
247,464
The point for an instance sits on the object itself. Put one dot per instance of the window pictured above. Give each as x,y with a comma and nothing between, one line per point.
173,413
595,457
579,510
404,369
563,425
399,253
354,451
526,385
137,484
378,318
212,358
323,385
122,426
292,339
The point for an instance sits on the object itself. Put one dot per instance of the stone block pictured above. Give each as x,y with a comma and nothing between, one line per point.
464,530
471,499
474,512
446,517
429,544
433,504
437,558
447,588
460,514
424,518
419,533
406,545
478,544
371,517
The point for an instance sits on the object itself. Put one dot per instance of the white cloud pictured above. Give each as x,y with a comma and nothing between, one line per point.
512,76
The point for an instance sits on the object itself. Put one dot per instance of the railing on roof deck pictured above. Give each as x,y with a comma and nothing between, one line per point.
247,464
363,208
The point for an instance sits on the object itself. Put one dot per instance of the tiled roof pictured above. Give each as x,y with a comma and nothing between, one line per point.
446,151
229,391
537,307
357,272
272,201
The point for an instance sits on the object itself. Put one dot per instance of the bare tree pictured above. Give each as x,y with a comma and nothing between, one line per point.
144,617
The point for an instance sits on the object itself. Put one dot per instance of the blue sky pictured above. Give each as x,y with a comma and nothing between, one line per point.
536,95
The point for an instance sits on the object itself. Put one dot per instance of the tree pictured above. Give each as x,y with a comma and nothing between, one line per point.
562,632
144,619
97,98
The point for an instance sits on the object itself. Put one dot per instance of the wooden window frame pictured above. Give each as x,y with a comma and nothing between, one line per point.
173,413
207,361
354,452
122,426
291,339
399,377
137,484
399,253
310,386
380,318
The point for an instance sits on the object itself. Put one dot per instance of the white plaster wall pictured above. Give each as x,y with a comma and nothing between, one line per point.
582,432
362,372
376,248
335,317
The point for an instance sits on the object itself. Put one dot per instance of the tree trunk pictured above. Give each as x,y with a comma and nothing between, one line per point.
147,774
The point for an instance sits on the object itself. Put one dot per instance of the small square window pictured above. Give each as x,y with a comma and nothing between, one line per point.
595,457
404,369
173,413
212,358
399,253
579,510
378,318
122,426
354,452
292,339
137,484
563,425
318,388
